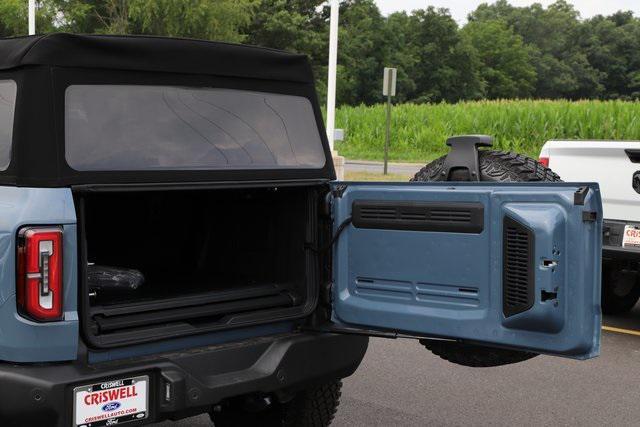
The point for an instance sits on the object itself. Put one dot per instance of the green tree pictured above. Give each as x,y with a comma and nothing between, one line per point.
403,54
554,32
296,26
612,46
447,68
14,18
213,20
363,52
499,53
79,16
506,67
206,19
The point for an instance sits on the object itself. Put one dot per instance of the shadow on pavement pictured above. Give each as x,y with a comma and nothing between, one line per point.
630,320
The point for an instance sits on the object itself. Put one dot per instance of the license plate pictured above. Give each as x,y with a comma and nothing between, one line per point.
111,402
631,237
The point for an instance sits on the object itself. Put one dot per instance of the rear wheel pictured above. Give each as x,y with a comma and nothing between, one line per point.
313,407
620,288
495,166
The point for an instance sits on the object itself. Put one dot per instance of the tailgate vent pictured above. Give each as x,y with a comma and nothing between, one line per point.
419,216
518,268
451,215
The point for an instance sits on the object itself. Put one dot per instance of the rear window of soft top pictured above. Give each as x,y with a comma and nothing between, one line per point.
8,91
140,128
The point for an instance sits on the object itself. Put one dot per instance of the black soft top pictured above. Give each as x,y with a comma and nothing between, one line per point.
44,67
160,54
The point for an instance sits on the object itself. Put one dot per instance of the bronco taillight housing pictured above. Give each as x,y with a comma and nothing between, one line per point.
39,273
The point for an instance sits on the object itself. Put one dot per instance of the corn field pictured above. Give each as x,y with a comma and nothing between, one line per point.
419,131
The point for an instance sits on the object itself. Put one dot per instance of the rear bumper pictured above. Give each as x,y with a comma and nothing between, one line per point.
612,242
43,395
617,253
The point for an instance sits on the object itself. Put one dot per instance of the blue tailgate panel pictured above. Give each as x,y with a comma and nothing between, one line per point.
450,283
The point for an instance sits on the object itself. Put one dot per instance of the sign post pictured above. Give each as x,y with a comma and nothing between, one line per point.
388,90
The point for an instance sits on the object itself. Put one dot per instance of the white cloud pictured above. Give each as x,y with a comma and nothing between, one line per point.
461,8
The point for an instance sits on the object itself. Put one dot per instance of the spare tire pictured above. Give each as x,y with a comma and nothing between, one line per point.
495,166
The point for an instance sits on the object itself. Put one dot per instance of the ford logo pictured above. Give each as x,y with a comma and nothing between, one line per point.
111,406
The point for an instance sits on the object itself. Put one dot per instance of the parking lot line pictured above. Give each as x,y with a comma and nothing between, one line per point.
620,330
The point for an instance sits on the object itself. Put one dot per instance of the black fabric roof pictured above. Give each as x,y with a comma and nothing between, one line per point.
159,54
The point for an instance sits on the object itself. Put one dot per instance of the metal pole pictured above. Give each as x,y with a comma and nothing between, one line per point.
333,64
388,133
32,17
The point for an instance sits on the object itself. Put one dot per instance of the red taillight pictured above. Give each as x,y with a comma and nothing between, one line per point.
39,275
544,161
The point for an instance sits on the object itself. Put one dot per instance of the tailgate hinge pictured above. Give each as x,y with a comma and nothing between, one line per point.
338,190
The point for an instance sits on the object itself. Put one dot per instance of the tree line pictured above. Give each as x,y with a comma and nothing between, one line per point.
502,52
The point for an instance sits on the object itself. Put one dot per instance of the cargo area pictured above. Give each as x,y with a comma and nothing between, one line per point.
175,262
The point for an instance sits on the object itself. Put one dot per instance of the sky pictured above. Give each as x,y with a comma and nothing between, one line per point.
460,8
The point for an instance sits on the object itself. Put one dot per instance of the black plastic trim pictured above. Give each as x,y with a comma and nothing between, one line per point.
612,249
187,301
580,196
633,154
134,320
612,232
619,253
42,394
174,186
518,270
452,217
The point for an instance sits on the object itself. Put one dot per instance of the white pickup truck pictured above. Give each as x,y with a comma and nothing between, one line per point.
615,165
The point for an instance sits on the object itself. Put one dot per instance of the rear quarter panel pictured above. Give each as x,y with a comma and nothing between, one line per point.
22,340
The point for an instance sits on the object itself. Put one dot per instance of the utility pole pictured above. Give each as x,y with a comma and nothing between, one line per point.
32,17
333,64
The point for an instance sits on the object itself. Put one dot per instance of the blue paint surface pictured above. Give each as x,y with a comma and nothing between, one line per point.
450,284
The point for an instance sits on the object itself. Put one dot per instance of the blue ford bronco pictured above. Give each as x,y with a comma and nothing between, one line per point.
173,242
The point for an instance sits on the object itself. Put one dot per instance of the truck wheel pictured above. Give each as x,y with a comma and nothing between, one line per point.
495,166
620,288
314,407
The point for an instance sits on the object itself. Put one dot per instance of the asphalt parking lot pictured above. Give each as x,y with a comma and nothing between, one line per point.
402,384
